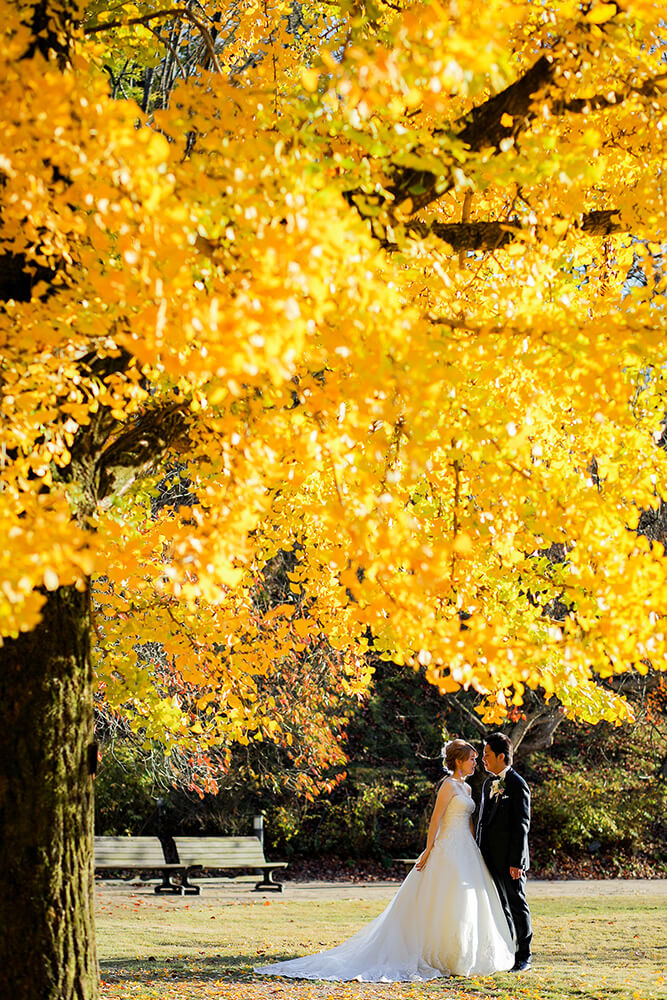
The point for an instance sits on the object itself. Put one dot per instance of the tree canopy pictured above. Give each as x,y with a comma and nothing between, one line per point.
363,269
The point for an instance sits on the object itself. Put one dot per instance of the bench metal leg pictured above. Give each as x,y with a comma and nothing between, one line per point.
268,884
166,885
187,888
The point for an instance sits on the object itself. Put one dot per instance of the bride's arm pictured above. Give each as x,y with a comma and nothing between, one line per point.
442,801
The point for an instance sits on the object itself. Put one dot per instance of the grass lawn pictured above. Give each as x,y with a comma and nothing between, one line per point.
591,947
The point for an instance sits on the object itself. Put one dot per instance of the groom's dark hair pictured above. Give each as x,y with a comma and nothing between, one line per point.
499,743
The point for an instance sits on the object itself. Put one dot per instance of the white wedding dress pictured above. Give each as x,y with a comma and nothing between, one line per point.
446,920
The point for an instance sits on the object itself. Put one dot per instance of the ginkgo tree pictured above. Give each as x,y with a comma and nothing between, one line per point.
363,271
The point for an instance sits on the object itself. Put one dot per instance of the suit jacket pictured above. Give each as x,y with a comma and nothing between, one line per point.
503,824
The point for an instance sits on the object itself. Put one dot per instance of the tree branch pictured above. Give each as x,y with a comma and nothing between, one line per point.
479,129
474,720
487,236
584,105
50,32
138,448
144,19
537,732
19,275
504,116
482,126
180,12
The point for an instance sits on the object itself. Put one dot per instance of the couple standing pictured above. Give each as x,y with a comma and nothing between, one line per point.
462,909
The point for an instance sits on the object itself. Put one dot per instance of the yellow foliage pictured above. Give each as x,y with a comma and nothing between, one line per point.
262,279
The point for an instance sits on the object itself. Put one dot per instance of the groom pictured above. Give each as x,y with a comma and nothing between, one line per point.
502,835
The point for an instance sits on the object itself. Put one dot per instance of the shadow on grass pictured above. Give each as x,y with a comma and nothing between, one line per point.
236,969
184,968
236,972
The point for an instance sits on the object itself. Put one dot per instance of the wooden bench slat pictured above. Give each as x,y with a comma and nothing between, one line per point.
141,854
232,841
229,853
220,852
224,853
113,862
251,859
129,850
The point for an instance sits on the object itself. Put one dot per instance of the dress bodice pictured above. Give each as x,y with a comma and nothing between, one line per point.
458,812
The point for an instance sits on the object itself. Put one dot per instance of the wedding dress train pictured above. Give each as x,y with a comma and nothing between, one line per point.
446,920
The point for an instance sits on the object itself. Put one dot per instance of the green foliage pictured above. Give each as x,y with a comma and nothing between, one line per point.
400,724
374,814
608,809
125,794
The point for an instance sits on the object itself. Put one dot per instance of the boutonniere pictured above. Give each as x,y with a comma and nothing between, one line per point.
497,787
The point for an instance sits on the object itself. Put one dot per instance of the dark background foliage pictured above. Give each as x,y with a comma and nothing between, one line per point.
598,791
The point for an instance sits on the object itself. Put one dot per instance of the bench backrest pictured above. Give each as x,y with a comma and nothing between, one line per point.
220,852
129,850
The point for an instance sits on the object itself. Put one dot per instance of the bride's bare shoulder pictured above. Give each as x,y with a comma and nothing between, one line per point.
454,784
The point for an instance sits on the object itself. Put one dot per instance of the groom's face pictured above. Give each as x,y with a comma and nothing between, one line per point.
493,762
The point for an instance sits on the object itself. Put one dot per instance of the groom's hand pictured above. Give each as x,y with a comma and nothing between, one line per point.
516,872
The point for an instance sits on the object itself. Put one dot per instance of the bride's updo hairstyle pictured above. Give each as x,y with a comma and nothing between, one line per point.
455,751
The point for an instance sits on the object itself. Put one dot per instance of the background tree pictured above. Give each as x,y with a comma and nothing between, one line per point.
373,298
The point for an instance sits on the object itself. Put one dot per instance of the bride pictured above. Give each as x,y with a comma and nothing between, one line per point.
445,920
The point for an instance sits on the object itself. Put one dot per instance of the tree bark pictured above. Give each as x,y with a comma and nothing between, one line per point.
47,760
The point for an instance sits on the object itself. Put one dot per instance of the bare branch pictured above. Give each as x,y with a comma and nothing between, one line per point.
172,49
180,12
474,720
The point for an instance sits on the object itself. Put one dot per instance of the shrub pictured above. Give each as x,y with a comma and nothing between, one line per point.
372,815
125,796
606,809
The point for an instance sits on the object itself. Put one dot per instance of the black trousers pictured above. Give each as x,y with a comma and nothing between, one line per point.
512,892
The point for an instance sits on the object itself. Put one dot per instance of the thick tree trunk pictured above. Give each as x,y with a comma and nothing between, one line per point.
47,942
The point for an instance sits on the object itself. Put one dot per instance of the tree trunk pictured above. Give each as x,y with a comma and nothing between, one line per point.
47,755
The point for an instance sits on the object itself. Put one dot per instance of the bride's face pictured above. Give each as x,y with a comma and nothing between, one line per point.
468,765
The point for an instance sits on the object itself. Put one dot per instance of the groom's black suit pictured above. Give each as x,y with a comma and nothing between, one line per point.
502,835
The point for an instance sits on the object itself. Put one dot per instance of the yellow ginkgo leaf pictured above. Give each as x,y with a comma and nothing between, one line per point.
310,79
463,544
602,12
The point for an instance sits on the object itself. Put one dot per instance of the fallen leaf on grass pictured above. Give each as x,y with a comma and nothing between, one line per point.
260,989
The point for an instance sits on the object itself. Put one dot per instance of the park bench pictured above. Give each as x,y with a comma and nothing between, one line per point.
141,854
229,854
